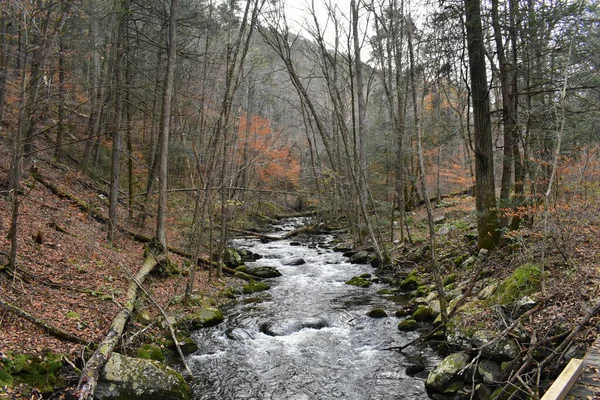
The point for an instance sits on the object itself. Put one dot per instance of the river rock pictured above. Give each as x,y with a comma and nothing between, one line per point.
204,318
231,257
186,344
362,257
294,261
411,282
247,255
343,247
423,313
414,365
377,313
287,327
408,325
264,272
359,281
134,378
445,374
254,286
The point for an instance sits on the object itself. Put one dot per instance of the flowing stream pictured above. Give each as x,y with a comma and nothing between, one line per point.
319,342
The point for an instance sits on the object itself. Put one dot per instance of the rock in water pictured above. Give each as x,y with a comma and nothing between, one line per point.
264,272
135,378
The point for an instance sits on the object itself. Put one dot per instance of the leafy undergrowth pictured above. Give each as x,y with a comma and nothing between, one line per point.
559,251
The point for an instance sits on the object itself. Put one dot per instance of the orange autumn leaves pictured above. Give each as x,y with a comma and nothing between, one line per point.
267,154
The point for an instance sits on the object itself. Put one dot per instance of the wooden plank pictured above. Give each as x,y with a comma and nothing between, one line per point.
565,381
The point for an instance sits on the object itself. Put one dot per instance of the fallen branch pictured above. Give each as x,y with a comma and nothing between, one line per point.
558,351
53,330
93,367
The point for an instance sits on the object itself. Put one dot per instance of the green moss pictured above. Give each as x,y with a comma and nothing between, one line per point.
410,282
358,281
150,352
244,276
408,325
384,291
254,286
38,372
5,379
423,313
449,279
525,280
377,313
73,314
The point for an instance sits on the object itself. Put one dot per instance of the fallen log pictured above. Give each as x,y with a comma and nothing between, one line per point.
53,330
93,367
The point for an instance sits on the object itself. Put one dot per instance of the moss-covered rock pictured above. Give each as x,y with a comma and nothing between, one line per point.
408,325
206,317
448,279
244,276
423,313
134,378
446,373
231,257
411,282
377,313
385,292
359,281
150,352
186,344
525,280
403,312
361,257
254,286
264,272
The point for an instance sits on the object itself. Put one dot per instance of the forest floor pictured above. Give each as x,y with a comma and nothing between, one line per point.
70,277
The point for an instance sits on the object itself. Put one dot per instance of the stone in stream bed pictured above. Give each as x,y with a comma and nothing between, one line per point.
289,326
359,281
254,286
294,261
377,313
264,272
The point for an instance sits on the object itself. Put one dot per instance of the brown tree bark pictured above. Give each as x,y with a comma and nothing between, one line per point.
485,194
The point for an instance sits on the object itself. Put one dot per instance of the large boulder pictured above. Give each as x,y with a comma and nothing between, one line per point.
264,272
362,257
206,317
446,373
232,258
135,378
254,286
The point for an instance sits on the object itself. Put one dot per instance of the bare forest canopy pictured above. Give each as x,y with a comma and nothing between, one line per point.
208,112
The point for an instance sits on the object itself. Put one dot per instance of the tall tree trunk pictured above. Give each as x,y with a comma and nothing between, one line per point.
165,123
422,179
485,195
117,134
509,115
